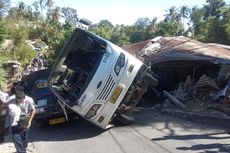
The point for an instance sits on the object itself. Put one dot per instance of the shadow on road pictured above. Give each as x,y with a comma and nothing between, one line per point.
224,148
69,131
170,132
192,137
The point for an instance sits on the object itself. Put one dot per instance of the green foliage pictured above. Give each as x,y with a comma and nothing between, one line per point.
18,32
119,37
54,14
4,6
140,30
57,41
2,31
172,15
70,15
25,53
19,36
169,29
105,24
214,8
104,29
102,32
210,23
2,70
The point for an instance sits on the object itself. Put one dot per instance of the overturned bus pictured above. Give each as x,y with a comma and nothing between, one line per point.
98,80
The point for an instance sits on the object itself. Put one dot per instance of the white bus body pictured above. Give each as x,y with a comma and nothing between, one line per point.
99,80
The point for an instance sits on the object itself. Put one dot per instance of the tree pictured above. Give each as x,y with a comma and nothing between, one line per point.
172,14
214,8
210,23
184,13
12,13
140,30
118,36
142,23
2,31
22,9
106,24
41,5
49,3
54,14
169,28
196,17
151,28
4,6
2,70
70,15
104,29
36,13
18,33
226,25
25,53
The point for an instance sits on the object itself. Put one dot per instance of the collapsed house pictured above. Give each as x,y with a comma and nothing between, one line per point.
188,70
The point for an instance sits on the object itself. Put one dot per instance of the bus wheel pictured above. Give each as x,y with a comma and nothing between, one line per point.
125,119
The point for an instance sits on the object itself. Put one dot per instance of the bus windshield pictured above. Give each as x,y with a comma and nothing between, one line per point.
76,66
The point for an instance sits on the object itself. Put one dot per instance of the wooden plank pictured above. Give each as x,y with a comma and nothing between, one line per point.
173,99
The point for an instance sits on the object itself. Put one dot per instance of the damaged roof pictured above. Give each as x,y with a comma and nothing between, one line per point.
162,49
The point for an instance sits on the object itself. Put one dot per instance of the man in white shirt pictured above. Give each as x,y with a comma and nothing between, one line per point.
3,111
21,105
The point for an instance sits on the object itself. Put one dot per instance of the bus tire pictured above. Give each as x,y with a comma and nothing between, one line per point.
125,119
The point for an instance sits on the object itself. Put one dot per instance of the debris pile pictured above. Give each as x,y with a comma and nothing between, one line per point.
204,94
191,76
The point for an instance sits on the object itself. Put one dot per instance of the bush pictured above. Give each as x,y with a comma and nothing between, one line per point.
2,71
25,53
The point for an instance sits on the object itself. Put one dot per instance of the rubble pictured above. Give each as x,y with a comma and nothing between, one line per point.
179,93
189,72
225,109
201,93
205,83
173,99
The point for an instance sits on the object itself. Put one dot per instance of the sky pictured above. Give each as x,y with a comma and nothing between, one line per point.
120,11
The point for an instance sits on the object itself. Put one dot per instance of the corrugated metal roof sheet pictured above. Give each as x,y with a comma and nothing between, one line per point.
134,49
179,48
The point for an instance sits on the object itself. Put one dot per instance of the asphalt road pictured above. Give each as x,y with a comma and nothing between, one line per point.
151,133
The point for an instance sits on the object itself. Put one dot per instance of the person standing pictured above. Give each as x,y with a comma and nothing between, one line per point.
21,110
3,112
227,92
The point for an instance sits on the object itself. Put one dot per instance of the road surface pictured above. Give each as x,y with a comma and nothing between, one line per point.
151,133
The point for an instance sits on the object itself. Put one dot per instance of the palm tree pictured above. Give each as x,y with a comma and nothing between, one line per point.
49,3
184,13
41,4
171,14
151,29
70,15
214,8
4,6
56,14
22,9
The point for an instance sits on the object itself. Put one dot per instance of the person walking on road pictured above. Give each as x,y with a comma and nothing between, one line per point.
21,110
227,93
3,112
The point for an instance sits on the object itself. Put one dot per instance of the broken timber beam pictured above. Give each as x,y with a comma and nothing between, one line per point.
173,99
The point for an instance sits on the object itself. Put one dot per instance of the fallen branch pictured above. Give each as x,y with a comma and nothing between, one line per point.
220,108
173,99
